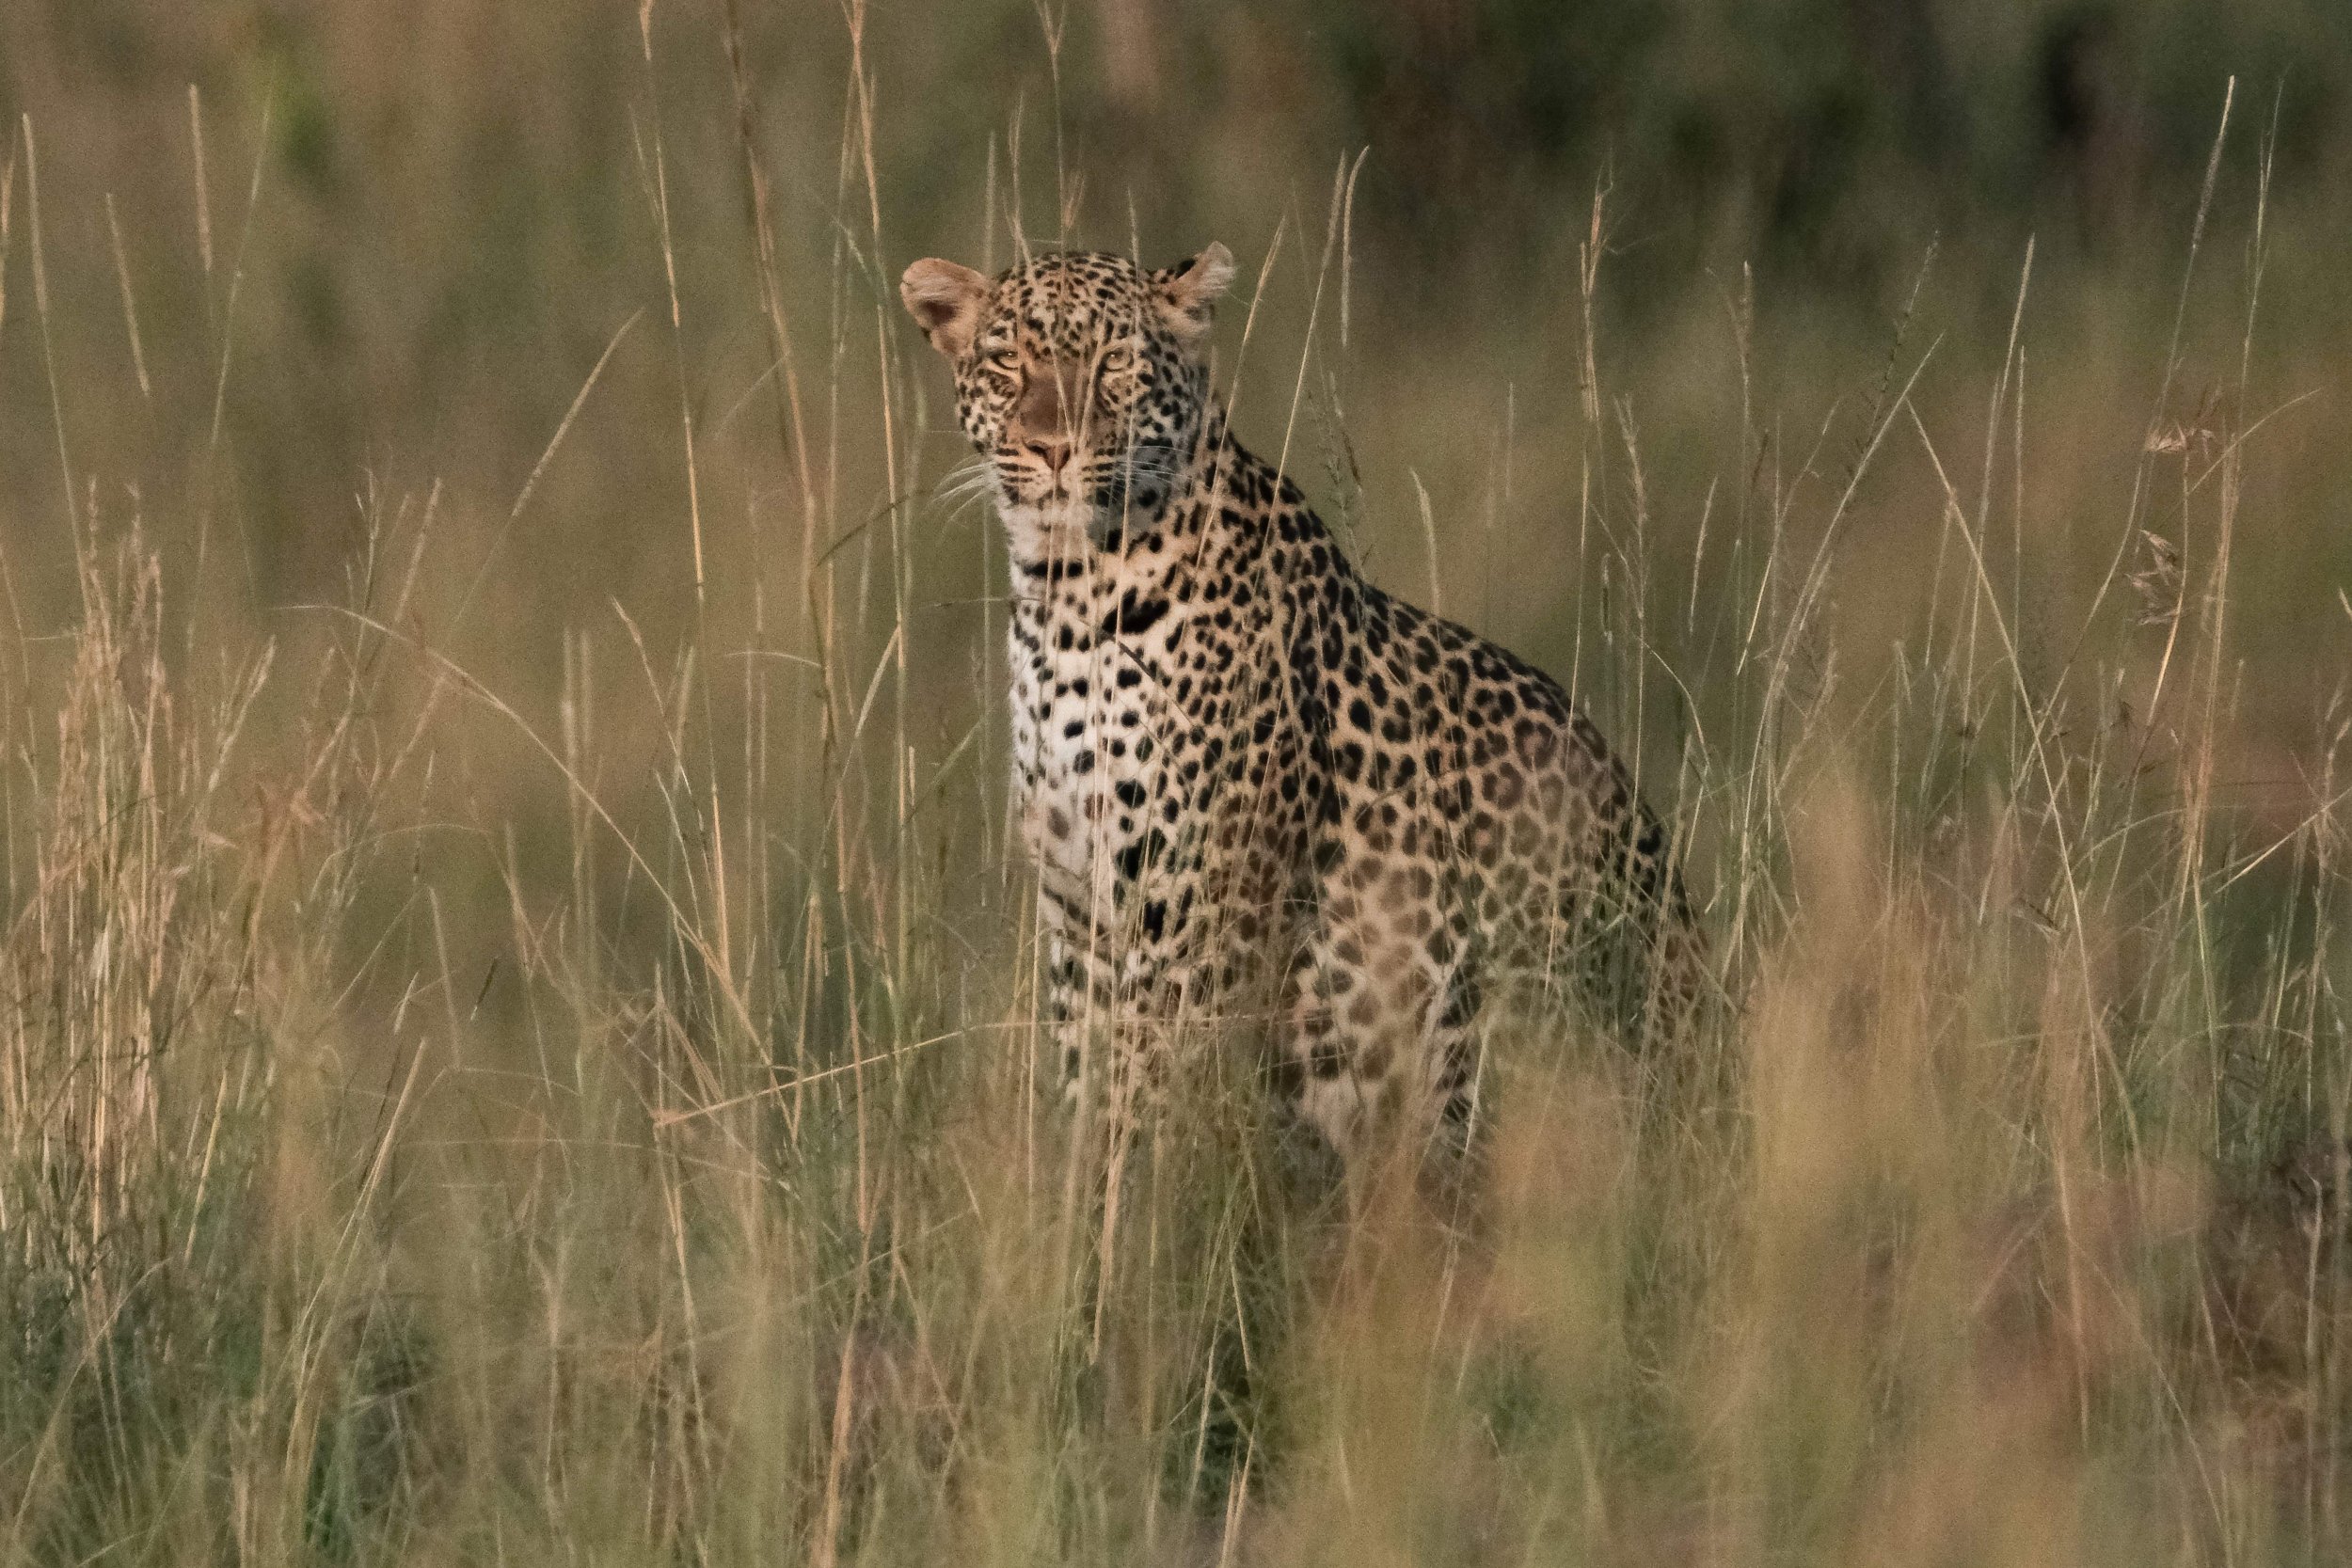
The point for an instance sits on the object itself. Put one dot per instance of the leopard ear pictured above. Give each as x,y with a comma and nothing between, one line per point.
1187,291
945,300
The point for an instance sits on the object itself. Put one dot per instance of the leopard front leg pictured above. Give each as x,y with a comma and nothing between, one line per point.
1068,1003
1115,1009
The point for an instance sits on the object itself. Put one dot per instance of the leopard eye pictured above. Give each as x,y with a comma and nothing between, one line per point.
1119,360
1006,359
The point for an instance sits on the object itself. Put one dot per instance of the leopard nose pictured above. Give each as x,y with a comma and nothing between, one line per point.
1051,450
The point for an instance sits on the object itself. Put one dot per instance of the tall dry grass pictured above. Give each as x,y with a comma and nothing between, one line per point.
484,1081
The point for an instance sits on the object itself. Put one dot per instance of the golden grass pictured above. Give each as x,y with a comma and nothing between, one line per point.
537,1060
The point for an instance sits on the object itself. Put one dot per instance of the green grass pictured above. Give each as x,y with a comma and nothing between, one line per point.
531,1056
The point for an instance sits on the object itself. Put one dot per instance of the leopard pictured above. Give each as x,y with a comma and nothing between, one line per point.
1258,790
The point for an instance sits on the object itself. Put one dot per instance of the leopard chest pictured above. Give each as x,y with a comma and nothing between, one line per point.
1098,746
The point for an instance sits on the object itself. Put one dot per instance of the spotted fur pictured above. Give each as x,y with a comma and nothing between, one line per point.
1252,784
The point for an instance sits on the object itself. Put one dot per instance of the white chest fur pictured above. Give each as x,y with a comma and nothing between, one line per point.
1090,719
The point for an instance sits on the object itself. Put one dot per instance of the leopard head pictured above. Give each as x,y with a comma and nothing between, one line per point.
1081,378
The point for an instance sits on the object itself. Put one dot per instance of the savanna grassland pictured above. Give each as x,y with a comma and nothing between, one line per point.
517,1020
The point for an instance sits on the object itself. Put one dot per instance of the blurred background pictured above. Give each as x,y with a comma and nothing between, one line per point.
418,226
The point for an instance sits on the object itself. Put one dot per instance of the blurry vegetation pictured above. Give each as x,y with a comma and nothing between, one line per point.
1826,137
516,1012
